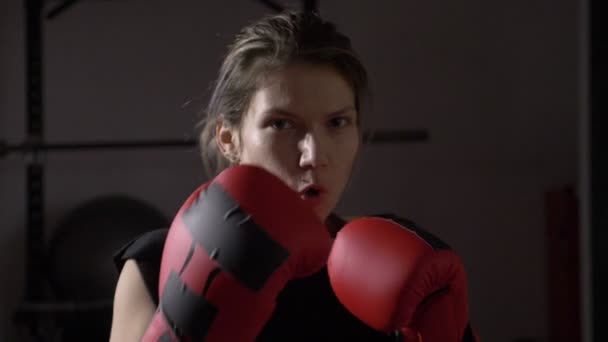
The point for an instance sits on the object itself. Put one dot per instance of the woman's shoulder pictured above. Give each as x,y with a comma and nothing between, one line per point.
146,253
146,247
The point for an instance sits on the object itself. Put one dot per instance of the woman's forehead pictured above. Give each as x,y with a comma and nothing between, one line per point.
301,89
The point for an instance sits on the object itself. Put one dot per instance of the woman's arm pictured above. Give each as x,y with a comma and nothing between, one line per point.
133,306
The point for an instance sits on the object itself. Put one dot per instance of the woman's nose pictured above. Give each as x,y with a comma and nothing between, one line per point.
312,154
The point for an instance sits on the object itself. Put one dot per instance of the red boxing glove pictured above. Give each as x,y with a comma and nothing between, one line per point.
229,252
401,280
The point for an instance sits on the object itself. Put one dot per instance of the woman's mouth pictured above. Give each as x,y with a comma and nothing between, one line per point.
312,194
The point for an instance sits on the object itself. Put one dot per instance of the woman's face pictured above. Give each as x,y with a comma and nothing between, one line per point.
301,125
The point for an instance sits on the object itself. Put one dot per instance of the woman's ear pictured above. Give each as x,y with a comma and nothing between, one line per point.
227,139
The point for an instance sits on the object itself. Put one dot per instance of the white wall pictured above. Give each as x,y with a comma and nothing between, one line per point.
494,82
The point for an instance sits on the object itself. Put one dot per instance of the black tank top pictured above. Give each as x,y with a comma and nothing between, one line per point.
306,310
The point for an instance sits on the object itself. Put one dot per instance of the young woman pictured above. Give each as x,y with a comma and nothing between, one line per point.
287,99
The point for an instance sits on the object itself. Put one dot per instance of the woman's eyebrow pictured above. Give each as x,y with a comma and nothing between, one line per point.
342,111
279,111
287,113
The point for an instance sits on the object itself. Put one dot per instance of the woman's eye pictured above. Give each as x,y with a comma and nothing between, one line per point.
339,122
280,124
